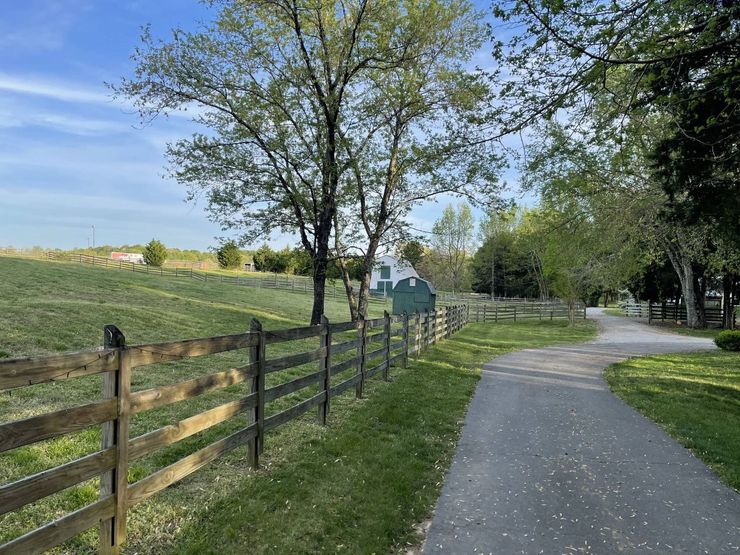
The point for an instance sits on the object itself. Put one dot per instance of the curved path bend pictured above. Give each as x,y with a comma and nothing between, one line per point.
550,461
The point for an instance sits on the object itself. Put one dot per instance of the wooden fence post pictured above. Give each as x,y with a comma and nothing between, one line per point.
514,313
436,326
325,367
650,312
485,310
361,333
387,331
425,339
116,384
417,334
405,339
257,414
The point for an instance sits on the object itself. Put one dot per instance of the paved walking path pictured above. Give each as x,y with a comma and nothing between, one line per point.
550,461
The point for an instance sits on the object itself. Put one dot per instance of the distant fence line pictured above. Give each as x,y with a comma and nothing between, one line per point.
360,349
495,312
670,312
486,298
297,284
269,281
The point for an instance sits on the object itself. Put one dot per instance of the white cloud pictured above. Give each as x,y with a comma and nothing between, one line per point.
57,90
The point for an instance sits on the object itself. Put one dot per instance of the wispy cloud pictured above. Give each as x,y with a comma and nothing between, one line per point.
41,26
57,90
64,91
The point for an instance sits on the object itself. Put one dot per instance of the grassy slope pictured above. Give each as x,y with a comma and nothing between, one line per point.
376,470
342,469
49,307
695,397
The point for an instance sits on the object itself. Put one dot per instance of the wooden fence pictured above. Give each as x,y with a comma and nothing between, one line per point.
348,354
670,312
297,284
467,296
495,312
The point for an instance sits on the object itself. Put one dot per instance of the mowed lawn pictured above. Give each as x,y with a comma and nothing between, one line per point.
695,397
357,485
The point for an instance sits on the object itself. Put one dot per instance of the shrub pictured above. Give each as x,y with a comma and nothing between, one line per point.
729,340
155,253
229,256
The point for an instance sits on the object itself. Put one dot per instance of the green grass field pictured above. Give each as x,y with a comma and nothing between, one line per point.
614,311
356,485
695,397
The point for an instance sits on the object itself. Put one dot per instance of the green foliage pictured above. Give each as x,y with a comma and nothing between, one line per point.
229,256
728,340
504,260
155,253
284,261
411,252
652,94
316,105
452,240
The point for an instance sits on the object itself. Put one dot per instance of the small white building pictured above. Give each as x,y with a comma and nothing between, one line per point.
132,257
387,271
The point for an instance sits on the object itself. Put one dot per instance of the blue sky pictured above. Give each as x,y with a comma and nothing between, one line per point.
70,158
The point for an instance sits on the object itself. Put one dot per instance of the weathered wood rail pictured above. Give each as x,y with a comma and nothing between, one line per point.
714,316
494,312
348,354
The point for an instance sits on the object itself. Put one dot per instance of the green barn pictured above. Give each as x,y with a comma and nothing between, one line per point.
413,294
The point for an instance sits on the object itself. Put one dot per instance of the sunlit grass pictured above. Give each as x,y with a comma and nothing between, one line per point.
383,455
695,397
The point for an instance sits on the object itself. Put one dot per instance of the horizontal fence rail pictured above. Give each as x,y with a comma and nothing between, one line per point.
347,354
503,312
671,312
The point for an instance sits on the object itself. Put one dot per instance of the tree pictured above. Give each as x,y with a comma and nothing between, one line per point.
411,252
263,258
453,242
505,261
567,52
279,86
229,256
421,138
655,80
155,253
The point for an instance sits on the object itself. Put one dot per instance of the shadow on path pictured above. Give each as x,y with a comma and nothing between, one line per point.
550,461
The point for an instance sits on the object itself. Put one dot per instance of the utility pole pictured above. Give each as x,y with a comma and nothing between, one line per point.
93,235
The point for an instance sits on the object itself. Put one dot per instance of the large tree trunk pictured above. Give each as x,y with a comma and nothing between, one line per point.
320,265
349,290
319,289
684,268
728,300
363,299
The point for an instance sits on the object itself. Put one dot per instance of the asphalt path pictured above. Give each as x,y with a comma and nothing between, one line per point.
550,461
